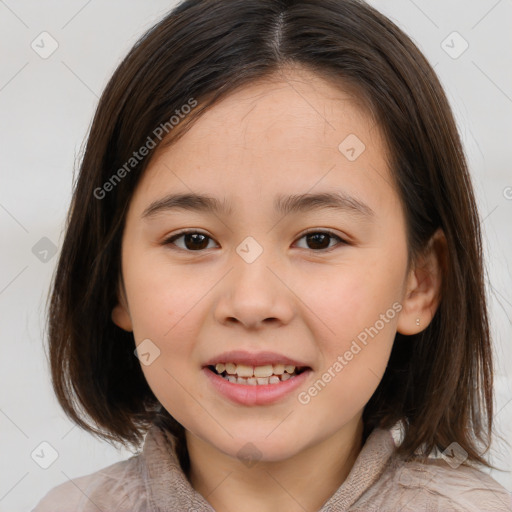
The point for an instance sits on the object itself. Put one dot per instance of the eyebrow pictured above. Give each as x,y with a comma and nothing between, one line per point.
284,205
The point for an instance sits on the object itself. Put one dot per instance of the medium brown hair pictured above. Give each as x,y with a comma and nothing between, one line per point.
439,382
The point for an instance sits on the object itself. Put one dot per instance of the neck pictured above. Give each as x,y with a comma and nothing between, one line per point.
304,481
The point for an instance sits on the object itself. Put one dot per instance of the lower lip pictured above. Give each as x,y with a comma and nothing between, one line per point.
260,394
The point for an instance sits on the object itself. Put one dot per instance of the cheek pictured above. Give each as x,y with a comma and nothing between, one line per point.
355,312
345,300
162,297
163,305
163,313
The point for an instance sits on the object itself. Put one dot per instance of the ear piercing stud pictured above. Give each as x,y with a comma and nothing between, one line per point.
417,321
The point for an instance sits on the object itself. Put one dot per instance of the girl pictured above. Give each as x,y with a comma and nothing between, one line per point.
325,345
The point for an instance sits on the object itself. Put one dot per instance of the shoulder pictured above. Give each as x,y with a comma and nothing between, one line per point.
436,486
119,487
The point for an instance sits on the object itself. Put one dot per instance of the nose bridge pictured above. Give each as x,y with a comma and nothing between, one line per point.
252,276
253,292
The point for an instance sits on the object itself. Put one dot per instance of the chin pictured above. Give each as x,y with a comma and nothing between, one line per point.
260,447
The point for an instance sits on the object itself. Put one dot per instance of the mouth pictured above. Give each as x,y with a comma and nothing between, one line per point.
269,374
256,385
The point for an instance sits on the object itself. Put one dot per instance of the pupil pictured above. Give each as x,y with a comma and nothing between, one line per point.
316,237
199,241
195,238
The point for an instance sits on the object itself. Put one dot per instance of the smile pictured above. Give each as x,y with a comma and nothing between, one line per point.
256,375
254,390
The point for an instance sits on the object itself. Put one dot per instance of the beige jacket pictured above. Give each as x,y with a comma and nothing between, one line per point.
153,481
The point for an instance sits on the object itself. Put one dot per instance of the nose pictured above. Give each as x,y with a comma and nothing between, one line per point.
254,294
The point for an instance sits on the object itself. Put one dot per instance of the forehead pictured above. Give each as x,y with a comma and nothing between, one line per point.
289,111
293,132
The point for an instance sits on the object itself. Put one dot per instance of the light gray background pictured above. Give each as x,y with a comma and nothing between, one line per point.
46,109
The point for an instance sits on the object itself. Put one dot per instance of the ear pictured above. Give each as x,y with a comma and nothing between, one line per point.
120,313
423,287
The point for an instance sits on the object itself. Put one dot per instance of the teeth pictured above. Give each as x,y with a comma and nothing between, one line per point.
263,371
278,369
243,370
255,381
231,368
255,375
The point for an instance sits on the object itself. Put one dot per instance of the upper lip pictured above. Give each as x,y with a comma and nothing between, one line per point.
254,359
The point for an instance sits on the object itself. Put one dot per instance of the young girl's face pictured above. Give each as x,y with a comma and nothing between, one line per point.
250,280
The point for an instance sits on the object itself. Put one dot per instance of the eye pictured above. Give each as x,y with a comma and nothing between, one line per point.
319,239
194,241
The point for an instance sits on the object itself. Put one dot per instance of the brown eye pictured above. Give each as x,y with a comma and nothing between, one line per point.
320,240
195,241
192,241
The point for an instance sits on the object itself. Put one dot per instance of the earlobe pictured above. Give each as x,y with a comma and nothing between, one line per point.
120,313
422,294
121,318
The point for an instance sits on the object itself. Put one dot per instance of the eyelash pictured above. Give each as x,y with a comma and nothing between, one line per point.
170,240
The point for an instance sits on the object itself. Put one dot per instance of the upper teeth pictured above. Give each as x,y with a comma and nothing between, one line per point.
243,370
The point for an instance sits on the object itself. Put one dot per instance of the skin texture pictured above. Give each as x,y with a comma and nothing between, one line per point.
306,301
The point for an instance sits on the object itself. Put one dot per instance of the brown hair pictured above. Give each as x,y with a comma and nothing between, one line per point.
439,382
